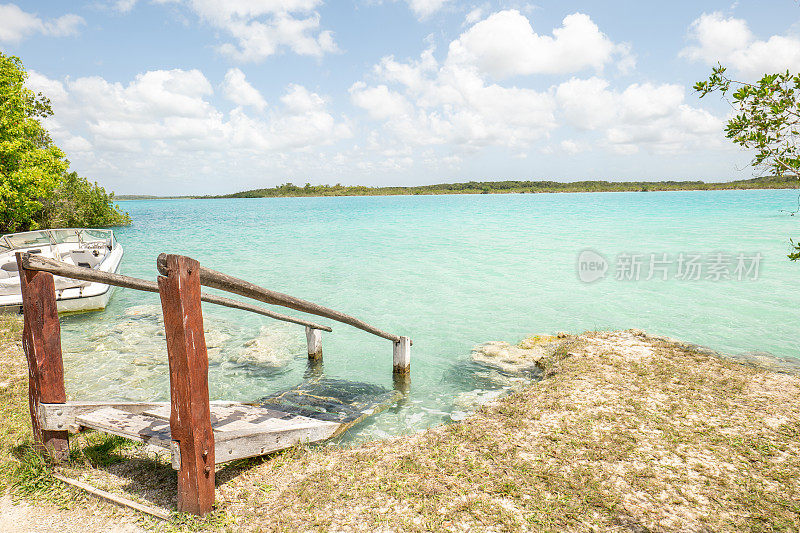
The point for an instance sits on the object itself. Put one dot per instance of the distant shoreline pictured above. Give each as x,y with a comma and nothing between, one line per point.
290,190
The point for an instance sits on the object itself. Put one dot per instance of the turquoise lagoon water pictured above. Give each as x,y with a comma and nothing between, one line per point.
448,271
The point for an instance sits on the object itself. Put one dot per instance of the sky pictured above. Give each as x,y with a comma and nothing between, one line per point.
183,97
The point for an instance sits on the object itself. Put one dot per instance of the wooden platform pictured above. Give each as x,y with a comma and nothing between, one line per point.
240,430
314,411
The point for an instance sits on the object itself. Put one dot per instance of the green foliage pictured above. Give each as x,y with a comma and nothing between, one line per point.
495,187
30,165
78,203
794,256
31,473
767,120
33,171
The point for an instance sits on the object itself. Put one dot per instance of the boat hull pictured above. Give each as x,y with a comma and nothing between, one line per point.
92,297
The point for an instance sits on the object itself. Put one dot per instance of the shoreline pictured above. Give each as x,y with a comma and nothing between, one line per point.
625,430
323,191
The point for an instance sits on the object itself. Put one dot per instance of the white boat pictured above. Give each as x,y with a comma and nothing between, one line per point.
90,248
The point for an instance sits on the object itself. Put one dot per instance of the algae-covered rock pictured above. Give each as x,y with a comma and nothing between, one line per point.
524,357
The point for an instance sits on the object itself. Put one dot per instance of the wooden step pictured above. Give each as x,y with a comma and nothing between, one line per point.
240,430
244,417
314,411
143,428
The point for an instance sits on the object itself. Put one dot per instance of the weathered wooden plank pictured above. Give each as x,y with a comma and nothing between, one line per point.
115,498
142,428
46,264
243,417
61,416
242,430
190,418
235,439
162,409
41,342
227,302
218,280
59,268
232,445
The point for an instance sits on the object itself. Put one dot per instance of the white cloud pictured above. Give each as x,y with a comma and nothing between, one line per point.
53,89
124,6
717,38
64,25
587,103
168,114
504,44
572,147
380,102
161,132
438,104
304,122
454,103
240,92
425,8
17,24
643,115
473,16
260,28
76,143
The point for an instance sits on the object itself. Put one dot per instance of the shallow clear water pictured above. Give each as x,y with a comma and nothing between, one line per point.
448,271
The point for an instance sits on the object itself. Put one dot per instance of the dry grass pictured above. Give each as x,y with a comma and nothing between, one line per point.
625,433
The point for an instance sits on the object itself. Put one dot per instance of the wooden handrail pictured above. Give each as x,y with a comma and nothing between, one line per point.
59,268
218,280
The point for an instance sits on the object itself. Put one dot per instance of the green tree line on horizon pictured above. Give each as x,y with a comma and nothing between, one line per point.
37,190
508,186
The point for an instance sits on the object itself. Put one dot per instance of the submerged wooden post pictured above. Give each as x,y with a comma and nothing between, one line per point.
41,341
314,340
402,364
402,356
190,415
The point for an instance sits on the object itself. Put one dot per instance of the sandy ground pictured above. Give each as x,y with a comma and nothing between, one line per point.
23,517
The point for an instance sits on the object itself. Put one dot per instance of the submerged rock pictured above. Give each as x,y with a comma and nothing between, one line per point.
522,358
273,347
468,402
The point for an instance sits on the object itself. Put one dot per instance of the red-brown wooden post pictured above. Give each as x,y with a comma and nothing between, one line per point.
190,416
41,341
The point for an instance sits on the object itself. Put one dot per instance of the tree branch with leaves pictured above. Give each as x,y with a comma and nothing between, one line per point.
767,120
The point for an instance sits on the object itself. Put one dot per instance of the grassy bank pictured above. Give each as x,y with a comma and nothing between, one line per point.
625,432
497,187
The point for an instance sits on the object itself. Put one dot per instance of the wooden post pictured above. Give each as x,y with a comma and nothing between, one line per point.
190,415
314,340
41,341
402,356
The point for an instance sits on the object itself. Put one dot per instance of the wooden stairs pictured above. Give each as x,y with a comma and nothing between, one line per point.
198,433
312,412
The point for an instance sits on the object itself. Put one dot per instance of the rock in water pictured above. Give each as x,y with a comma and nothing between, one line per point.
524,357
